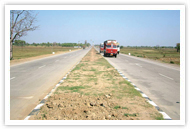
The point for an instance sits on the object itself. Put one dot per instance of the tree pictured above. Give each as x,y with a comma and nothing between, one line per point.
21,21
178,47
19,42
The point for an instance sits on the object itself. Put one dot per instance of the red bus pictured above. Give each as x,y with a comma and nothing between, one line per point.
110,48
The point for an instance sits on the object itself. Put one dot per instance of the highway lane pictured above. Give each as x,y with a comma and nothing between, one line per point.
159,81
31,81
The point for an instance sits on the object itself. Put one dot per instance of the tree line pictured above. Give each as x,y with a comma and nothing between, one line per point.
155,47
24,43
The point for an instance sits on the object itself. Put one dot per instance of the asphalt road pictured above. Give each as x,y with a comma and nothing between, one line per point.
31,81
159,81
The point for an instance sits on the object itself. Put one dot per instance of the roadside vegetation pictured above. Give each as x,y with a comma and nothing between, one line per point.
164,54
20,52
94,90
22,49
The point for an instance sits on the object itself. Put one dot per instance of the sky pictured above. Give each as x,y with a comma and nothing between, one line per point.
128,27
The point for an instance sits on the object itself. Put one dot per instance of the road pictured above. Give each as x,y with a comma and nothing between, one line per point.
31,81
159,81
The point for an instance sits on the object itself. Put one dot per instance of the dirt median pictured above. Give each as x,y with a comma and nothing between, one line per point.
94,90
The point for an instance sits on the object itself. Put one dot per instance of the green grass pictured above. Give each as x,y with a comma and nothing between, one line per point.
72,89
133,115
78,67
159,118
116,107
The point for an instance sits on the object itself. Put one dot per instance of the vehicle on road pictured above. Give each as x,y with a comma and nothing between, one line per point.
118,48
110,48
101,47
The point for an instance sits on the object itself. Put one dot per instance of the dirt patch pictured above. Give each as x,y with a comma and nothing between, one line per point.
95,91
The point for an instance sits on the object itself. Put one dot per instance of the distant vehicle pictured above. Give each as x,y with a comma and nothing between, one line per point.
110,48
118,48
101,47
83,47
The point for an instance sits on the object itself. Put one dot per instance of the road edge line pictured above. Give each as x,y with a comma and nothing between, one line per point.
36,110
165,116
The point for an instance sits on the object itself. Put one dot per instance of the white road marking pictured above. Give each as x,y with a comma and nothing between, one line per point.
27,97
56,60
166,76
41,66
138,65
165,115
12,78
38,106
27,118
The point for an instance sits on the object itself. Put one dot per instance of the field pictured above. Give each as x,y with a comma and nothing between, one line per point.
32,51
94,90
167,55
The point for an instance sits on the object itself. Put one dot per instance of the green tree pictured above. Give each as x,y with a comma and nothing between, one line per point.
19,42
178,47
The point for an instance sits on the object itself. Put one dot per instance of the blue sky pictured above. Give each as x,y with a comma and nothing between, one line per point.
128,27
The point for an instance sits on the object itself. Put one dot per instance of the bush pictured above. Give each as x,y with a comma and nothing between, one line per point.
171,62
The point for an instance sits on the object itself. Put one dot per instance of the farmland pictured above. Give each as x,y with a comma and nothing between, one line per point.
20,52
167,55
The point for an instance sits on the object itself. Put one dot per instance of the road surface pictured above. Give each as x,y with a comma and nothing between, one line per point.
31,81
159,81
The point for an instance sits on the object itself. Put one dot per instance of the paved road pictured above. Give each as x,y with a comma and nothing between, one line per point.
159,81
31,81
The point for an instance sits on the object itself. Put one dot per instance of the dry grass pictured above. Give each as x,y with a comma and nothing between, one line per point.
32,51
162,54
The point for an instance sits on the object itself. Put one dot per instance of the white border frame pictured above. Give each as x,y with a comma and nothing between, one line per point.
95,7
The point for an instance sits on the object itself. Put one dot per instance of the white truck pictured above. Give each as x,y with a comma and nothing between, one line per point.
118,48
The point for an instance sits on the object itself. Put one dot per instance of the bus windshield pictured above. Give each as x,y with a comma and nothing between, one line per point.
108,46
114,46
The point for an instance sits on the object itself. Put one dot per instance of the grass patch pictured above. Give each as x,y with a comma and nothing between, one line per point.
116,107
20,52
159,118
78,67
127,89
72,89
133,115
162,54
